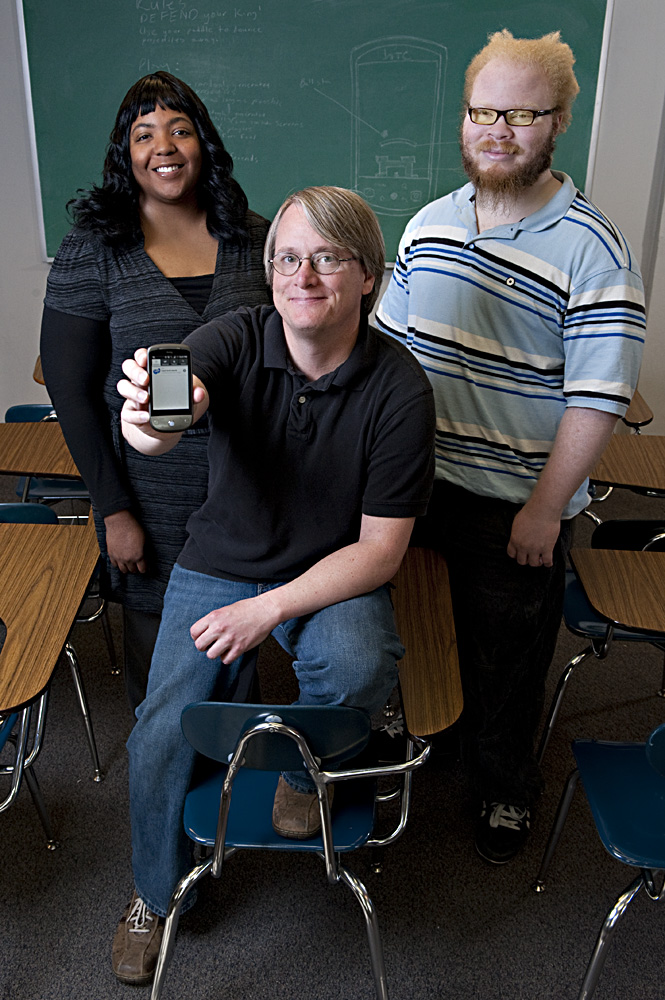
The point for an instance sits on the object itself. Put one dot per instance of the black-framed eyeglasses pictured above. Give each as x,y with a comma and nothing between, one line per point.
323,262
515,116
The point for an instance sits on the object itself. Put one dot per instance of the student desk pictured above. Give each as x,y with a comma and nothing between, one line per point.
632,460
44,572
625,587
35,449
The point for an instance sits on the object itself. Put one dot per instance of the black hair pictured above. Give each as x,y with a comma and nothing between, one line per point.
110,211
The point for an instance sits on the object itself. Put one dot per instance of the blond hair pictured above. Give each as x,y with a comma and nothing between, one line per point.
549,54
344,219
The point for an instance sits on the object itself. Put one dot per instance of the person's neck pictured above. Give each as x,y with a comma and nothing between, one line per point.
159,218
315,355
493,211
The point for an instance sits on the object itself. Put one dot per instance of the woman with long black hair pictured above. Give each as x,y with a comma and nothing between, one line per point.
163,245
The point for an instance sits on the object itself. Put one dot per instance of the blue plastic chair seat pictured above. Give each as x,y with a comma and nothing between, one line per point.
627,799
250,815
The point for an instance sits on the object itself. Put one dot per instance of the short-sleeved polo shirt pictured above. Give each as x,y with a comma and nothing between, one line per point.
295,464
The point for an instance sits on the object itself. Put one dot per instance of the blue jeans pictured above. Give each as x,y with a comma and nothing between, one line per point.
346,654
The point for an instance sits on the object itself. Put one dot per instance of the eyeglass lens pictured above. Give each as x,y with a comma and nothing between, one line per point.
487,116
322,263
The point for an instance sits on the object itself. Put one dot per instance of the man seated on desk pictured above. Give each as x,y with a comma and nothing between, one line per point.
321,456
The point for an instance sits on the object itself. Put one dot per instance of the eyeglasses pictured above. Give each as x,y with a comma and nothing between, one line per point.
516,116
323,262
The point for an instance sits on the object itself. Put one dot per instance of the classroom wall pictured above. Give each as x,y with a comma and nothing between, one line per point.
633,108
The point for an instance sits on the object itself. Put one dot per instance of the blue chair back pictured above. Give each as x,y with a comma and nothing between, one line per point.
334,733
28,413
27,513
655,749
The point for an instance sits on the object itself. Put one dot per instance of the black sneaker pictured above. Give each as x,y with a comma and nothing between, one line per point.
501,831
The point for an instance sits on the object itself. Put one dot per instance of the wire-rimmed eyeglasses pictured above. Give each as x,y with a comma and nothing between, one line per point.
323,262
515,116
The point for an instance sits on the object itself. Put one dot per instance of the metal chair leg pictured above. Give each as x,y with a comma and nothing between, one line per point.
373,936
557,827
83,702
38,799
115,669
171,924
597,961
558,699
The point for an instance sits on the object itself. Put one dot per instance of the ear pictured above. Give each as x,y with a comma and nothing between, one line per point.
368,283
558,123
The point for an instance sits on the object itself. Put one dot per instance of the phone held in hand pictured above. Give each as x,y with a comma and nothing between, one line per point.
170,371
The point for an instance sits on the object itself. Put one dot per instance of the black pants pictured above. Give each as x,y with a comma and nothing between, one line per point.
507,619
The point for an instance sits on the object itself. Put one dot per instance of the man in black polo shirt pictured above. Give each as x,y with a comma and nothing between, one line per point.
321,456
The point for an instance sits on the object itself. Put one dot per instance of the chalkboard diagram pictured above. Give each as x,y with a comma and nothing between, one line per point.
398,100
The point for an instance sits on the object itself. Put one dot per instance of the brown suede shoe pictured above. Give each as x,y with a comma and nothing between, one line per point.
296,814
136,943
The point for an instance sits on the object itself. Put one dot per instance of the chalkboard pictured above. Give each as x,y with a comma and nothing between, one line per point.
361,93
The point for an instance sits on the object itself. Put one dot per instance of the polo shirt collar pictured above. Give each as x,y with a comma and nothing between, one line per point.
352,373
548,215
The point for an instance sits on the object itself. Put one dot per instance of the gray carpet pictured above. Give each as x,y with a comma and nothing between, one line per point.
452,926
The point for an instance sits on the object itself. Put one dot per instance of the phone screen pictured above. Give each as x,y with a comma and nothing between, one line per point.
170,370
169,379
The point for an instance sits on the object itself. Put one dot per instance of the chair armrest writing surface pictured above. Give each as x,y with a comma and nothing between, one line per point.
44,572
429,672
638,413
625,587
632,460
35,449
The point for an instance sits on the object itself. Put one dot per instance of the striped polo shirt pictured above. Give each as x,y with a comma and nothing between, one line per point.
512,325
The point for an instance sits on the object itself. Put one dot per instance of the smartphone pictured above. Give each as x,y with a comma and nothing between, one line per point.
170,371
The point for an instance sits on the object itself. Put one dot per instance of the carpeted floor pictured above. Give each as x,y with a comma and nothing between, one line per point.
452,926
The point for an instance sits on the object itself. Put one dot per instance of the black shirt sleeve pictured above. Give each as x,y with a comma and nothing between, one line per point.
75,353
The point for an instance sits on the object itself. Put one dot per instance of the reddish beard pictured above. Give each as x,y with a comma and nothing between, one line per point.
496,183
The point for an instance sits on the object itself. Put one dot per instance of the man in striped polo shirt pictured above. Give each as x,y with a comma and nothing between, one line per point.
524,304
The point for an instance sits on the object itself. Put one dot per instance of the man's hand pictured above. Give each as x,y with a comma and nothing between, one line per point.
533,538
135,417
231,631
125,541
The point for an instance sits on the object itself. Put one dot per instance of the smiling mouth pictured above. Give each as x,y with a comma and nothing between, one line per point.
171,169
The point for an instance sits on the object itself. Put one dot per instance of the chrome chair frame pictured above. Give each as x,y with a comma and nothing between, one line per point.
335,871
26,750
599,647
646,878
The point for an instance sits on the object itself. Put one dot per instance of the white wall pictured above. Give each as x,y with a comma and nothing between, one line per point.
629,127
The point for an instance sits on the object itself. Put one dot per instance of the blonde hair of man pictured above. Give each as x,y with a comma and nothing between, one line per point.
346,221
549,54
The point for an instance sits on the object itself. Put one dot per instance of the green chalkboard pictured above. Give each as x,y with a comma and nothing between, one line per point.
360,93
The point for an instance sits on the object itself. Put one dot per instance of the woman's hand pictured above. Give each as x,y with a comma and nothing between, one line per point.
125,541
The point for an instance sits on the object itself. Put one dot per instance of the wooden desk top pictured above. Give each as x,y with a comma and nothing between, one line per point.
44,572
36,449
632,460
625,587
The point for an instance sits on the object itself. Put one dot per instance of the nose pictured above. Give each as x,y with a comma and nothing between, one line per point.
164,143
306,275
500,129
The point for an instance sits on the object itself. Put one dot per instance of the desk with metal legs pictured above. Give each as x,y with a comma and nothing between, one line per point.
44,573
632,460
35,449
623,586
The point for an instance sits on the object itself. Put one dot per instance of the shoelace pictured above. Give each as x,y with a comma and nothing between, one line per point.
139,915
509,816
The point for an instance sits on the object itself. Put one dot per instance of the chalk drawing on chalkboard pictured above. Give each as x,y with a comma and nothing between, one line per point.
398,99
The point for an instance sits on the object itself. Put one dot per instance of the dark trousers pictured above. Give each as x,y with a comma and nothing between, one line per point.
507,619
